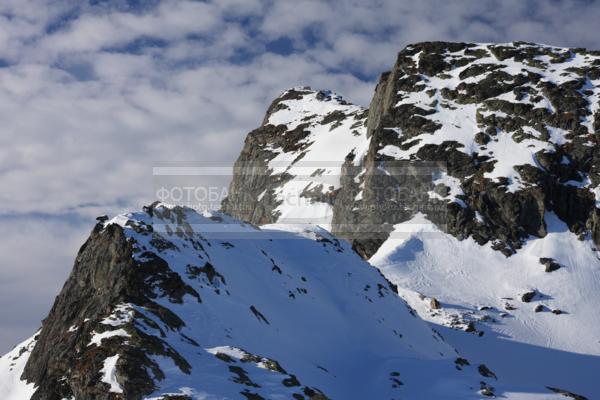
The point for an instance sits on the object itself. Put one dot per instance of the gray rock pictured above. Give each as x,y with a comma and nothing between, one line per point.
104,274
550,264
528,296
485,371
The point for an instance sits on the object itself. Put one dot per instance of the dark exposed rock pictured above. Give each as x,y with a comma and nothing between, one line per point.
477,69
461,362
432,64
485,371
241,376
486,390
259,315
104,274
567,393
510,217
528,296
482,138
435,304
334,116
550,264
208,270
251,396
252,192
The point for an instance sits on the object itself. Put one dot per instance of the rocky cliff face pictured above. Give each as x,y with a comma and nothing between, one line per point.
290,166
511,130
79,333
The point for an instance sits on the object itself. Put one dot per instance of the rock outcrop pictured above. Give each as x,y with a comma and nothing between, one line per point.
483,139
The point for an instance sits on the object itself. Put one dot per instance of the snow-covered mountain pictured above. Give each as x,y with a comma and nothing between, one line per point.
289,170
496,146
468,187
170,304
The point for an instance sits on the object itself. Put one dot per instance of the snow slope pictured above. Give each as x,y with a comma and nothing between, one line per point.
267,314
12,387
476,284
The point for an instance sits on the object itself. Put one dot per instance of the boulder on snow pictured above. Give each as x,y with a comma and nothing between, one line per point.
470,327
550,264
487,391
435,304
485,371
528,296
461,362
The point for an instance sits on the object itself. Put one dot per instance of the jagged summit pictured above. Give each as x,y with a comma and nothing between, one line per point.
300,148
514,124
313,102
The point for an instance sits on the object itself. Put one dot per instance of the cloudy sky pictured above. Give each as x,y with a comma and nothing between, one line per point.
92,95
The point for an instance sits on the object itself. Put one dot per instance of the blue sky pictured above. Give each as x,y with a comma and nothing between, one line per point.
92,95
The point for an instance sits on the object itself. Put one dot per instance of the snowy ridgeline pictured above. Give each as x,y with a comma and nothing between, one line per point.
298,314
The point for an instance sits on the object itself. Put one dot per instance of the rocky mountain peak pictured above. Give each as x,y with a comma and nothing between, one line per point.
306,96
512,127
299,148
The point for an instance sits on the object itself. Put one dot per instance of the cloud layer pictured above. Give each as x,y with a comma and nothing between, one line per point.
93,95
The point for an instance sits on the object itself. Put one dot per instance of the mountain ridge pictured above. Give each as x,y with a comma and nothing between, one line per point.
479,70
140,318
494,246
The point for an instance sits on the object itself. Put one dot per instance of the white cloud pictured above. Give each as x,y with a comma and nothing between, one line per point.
82,123
32,271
